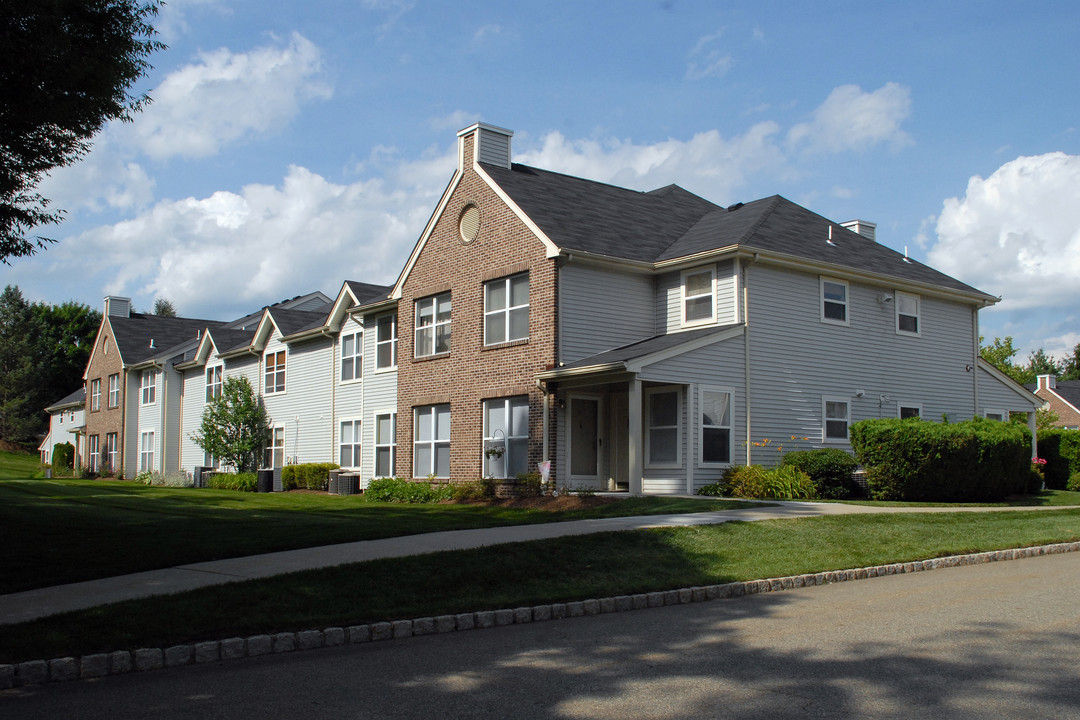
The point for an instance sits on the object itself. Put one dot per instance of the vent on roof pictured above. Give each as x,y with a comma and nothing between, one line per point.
117,306
736,206
490,144
867,229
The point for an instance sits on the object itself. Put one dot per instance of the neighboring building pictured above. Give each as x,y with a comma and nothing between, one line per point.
67,424
631,340
1062,397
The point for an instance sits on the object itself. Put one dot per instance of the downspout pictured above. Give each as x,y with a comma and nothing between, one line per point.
164,415
975,360
123,435
746,349
547,409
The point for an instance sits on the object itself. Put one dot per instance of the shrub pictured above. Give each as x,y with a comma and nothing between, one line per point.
972,461
400,490
63,456
243,482
829,468
151,477
784,482
1061,450
1074,482
310,476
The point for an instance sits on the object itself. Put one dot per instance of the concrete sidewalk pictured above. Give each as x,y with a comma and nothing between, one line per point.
33,604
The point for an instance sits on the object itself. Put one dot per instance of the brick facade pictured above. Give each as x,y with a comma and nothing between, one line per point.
106,361
1067,414
471,373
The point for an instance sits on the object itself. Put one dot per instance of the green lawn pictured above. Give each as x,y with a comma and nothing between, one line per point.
61,531
520,574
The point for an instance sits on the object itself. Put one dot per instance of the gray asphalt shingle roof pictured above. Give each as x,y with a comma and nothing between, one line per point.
76,398
643,348
368,293
1069,390
142,337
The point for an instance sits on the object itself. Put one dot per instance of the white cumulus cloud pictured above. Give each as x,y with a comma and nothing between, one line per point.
851,119
1017,233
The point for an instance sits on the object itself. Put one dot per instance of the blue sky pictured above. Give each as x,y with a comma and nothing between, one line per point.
292,146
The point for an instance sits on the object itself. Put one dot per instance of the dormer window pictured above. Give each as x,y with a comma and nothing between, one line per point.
699,296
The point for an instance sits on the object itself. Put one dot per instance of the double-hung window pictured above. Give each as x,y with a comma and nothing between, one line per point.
836,414
352,356
95,452
834,301
213,382
95,395
907,313
506,309
663,446
114,390
274,381
110,451
433,325
699,296
275,451
146,452
148,387
385,444
715,407
386,342
431,441
349,444
506,437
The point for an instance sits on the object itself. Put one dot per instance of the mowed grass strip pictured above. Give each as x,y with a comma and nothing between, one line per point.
521,574
61,531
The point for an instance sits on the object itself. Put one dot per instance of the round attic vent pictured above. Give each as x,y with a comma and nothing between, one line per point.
469,223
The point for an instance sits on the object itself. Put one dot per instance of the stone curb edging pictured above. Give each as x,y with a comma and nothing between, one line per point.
38,672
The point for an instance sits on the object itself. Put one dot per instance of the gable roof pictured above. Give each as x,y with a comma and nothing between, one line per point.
1067,390
141,337
75,399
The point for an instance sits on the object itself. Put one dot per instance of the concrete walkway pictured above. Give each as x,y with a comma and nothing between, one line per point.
33,604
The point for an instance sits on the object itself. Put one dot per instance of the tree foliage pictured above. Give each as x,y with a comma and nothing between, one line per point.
234,426
1001,355
66,68
164,308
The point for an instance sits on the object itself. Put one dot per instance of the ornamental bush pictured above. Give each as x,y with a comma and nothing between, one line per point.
63,455
243,482
400,490
830,469
973,461
784,482
1061,450
310,476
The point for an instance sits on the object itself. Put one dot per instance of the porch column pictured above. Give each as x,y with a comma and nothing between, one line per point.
1034,435
635,445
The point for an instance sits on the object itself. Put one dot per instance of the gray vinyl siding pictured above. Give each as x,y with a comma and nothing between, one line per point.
669,297
796,359
380,396
996,396
173,393
349,395
600,310
304,408
493,148
148,419
191,455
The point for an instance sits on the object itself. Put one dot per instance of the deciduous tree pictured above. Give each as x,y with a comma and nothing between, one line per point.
234,425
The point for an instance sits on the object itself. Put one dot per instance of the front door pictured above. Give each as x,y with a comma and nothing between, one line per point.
585,440
619,441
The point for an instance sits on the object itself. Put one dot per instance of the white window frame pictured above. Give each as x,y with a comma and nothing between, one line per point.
505,312
435,442
279,369
385,444
148,387
214,380
111,442
1002,415
845,304
275,451
146,451
901,298
825,420
354,361
502,438
354,445
901,406
650,393
435,328
94,452
684,298
114,390
730,392
95,396
390,342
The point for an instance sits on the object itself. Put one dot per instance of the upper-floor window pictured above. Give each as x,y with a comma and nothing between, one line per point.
506,309
114,390
715,406
433,325
275,373
431,441
148,387
95,394
907,313
699,296
834,301
663,444
836,419
386,342
352,356
213,382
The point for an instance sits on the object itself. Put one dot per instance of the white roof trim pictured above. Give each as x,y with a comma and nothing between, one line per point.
395,294
639,364
1036,401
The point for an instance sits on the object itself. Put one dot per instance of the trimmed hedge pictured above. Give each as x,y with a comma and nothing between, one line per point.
244,482
63,455
310,476
399,490
916,460
830,469
1060,449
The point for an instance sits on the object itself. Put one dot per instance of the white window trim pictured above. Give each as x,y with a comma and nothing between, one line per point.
701,426
111,449
284,372
847,300
505,438
683,297
95,396
110,400
273,447
901,405
435,325
358,339
505,312
649,392
358,440
148,388
392,445
215,386
392,342
146,456
825,400
433,442
94,447
917,316
987,412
